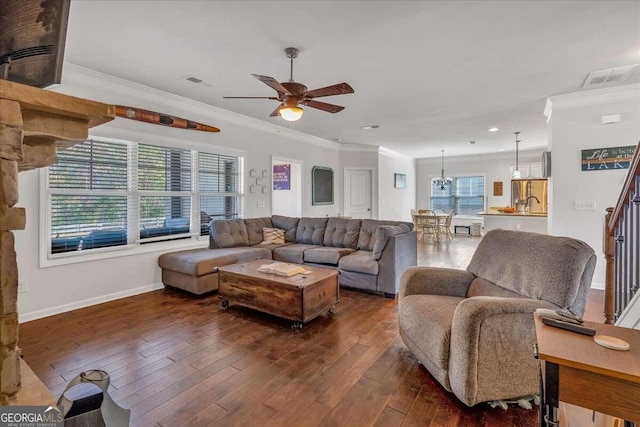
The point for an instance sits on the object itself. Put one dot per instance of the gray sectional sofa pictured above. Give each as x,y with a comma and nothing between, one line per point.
369,254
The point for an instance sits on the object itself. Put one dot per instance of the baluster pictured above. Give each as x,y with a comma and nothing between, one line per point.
609,253
618,273
636,226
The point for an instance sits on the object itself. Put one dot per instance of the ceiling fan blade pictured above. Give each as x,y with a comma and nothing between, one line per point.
329,108
272,83
337,89
276,112
250,97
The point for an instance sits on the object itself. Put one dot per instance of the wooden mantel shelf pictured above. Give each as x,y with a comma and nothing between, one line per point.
45,122
44,101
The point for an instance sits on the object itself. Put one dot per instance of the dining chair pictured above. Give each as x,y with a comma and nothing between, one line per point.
444,226
427,222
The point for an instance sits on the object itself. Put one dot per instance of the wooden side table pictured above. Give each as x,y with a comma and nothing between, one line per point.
583,373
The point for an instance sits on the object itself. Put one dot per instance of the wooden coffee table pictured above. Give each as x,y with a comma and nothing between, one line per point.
300,298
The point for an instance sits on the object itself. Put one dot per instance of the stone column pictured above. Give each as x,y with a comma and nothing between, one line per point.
11,218
34,125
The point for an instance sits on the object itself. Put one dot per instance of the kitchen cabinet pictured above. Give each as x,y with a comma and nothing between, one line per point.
528,170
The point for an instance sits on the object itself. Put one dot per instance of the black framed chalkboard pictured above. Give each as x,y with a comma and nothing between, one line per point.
321,186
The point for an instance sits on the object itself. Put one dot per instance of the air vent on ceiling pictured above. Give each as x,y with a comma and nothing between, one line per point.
611,75
198,80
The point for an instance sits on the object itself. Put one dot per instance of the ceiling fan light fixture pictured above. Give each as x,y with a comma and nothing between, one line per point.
291,114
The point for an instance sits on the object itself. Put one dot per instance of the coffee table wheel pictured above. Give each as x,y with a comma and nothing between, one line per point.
331,311
225,304
297,326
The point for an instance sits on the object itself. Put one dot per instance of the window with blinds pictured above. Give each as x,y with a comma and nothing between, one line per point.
219,187
104,194
88,190
465,196
164,183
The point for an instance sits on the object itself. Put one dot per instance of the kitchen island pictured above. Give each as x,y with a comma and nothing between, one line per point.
535,222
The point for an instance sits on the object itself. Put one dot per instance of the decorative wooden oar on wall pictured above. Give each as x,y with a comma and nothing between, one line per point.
161,119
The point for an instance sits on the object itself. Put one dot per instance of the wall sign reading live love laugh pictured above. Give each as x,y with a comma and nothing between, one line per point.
599,159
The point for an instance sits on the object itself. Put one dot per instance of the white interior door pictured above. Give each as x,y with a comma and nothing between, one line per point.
357,193
286,201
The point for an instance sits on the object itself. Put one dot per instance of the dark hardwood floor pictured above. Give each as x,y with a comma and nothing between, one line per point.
175,359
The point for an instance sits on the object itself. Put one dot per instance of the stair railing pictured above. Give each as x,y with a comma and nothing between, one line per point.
621,245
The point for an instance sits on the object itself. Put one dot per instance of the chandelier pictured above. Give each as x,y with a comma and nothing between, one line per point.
443,181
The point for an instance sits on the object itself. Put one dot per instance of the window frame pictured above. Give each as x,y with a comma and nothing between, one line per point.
456,197
135,245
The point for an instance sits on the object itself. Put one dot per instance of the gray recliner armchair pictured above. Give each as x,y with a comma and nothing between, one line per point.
473,330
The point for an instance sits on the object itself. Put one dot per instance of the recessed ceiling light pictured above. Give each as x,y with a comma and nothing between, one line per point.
502,149
367,127
472,142
494,129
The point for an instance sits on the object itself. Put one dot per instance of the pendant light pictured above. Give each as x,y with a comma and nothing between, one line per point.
443,181
516,173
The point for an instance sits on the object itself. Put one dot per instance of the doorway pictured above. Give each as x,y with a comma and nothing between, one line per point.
358,193
286,194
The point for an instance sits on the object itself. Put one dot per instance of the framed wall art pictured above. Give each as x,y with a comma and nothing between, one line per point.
399,180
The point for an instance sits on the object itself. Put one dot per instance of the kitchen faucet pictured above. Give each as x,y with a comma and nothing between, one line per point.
529,198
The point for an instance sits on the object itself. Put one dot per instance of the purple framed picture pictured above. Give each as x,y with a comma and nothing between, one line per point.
282,177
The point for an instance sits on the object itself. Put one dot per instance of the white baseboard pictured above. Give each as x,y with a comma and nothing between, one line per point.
39,314
595,285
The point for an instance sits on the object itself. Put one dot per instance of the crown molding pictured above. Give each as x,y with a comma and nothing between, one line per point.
359,147
621,93
109,88
506,155
384,151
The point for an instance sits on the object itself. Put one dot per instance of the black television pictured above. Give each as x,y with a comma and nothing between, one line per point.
32,37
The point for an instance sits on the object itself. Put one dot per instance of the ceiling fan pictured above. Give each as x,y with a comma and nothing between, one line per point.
292,94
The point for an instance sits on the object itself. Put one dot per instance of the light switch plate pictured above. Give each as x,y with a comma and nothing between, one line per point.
585,205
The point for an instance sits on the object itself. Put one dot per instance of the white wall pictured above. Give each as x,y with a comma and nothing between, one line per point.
575,126
395,203
61,288
494,167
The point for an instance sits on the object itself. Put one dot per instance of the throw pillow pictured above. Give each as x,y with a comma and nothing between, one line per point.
273,236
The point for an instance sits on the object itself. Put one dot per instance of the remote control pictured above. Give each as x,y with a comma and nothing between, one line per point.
568,326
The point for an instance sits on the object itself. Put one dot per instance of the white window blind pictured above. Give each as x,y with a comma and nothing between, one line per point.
465,196
219,182
164,184
88,197
104,193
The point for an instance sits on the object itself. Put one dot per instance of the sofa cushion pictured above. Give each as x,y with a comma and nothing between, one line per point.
325,255
291,253
311,231
481,287
359,261
229,233
288,224
272,236
254,228
557,260
198,262
366,238
342,232
382,235
436,311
